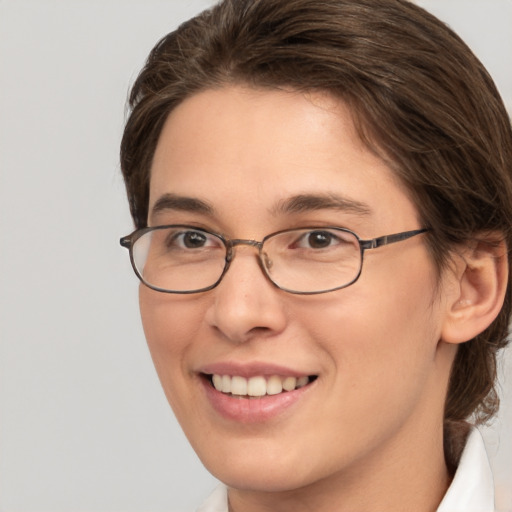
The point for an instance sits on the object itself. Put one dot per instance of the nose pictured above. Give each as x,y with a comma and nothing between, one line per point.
246,304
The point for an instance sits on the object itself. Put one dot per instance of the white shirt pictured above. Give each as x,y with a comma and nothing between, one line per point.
472,488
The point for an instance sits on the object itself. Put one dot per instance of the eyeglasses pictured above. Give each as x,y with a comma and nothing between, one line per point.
309,260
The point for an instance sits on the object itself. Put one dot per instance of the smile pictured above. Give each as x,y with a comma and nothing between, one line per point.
255,393
257,386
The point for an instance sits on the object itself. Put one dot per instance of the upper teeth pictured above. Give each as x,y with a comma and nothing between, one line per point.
257,386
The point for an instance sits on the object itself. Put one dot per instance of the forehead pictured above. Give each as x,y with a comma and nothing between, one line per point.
242,149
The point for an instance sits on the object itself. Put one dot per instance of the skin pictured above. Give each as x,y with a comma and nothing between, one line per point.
367,435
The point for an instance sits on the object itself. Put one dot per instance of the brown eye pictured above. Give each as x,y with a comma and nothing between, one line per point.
190,239
319,239
193,239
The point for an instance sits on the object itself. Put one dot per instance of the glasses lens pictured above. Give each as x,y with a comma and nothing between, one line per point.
312,260
179,258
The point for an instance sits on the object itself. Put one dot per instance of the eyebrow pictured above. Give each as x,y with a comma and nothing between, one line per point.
181,203
300,203
310,202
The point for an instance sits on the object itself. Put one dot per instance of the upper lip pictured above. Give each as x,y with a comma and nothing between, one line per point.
253,369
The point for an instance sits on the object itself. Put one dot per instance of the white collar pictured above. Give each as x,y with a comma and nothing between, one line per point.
472,488
217,501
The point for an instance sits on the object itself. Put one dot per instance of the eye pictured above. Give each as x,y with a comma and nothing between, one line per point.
192,239
319,240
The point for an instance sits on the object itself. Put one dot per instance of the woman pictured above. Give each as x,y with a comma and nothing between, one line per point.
272,147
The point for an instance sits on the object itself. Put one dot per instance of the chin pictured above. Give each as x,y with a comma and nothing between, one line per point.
263,470
261,480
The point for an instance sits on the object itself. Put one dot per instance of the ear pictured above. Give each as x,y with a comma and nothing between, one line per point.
479,282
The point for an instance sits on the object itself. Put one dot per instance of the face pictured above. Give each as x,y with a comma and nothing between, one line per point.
369,352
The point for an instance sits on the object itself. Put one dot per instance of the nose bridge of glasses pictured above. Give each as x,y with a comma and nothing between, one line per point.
242,241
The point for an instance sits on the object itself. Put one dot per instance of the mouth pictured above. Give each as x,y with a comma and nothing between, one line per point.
257,386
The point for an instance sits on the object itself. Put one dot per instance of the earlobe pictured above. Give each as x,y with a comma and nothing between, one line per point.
480,282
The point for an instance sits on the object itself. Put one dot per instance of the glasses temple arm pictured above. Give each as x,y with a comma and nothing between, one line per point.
390,239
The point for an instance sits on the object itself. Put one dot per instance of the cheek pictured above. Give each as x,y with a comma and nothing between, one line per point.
170,324
375,338
380,335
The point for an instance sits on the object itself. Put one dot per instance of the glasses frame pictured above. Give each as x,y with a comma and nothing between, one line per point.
128,242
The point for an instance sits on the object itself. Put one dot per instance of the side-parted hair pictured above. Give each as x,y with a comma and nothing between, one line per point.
420,100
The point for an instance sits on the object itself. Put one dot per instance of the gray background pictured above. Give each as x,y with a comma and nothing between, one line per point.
84,425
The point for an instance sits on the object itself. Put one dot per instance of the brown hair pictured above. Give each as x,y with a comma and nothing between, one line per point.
419,98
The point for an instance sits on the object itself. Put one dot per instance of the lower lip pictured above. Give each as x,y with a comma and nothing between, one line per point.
252,410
